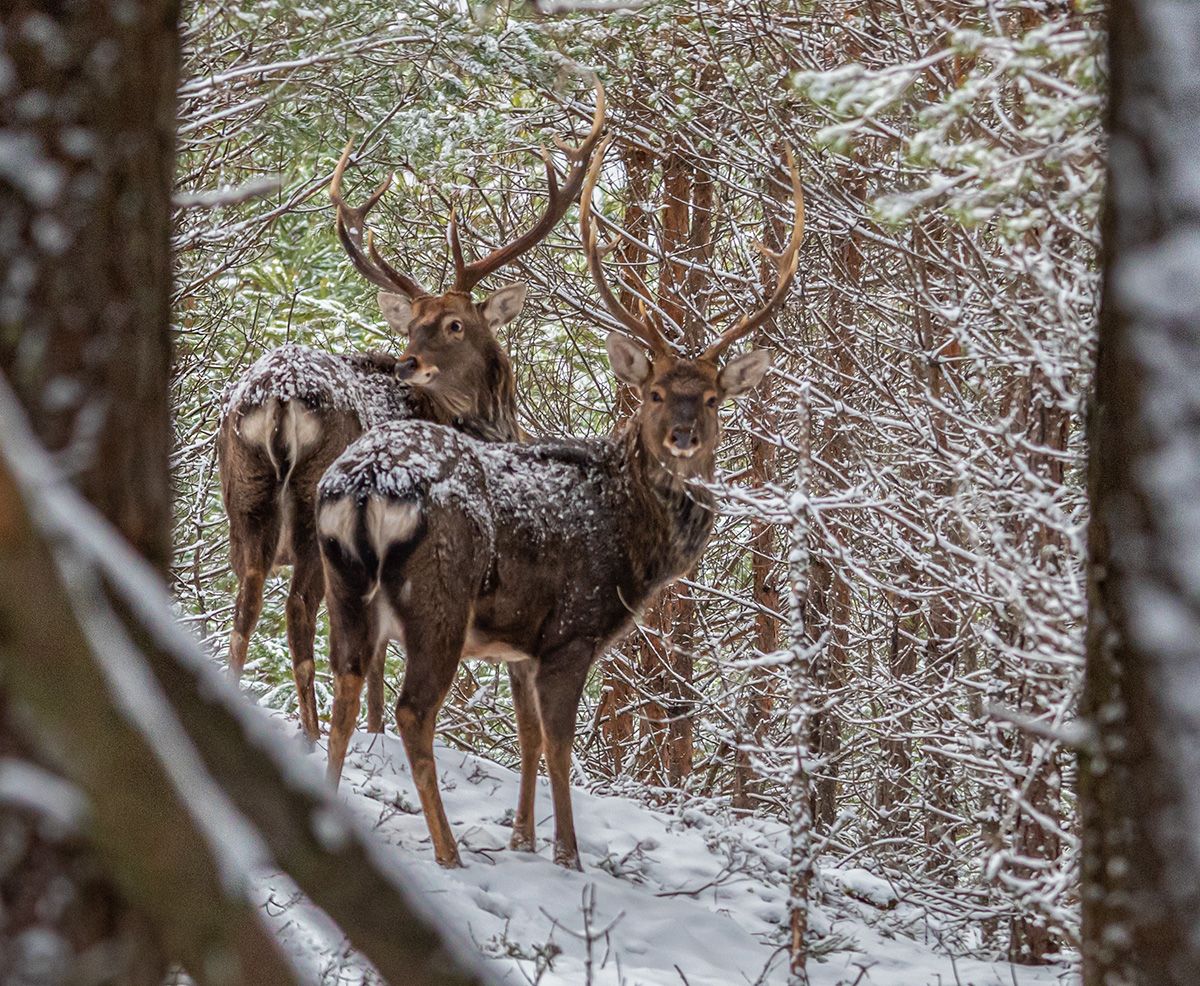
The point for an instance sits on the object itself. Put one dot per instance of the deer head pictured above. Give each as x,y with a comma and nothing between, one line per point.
678,424
452,347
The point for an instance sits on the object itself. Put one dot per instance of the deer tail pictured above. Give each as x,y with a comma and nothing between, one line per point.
370,534
283,429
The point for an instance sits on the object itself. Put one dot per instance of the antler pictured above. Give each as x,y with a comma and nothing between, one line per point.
785,264
643,328
559,200
351,223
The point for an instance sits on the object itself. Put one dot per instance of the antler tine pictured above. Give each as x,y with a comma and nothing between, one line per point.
410,287
558,200
785,262
351,223
456,250
642,328
584,150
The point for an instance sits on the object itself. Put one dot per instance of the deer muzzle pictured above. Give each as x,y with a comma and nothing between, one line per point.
414,370
682,443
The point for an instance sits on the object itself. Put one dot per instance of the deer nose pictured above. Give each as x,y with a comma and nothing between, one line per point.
407,366
683,438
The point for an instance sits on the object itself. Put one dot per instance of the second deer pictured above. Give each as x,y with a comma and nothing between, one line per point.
296,409
538,555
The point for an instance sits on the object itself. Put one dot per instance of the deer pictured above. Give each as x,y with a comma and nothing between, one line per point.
297,409
538,555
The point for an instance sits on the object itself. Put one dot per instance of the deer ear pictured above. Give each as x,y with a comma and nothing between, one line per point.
743,374
397,310
629,363
504,305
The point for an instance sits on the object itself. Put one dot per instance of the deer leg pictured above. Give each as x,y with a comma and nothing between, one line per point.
304,599
246,611
529,733
347,692
375,690
559,686
253,539
433,655
351,647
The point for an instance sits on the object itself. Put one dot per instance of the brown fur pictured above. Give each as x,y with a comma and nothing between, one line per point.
542,553
270,491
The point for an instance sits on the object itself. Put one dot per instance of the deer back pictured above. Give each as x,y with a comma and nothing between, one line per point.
551,539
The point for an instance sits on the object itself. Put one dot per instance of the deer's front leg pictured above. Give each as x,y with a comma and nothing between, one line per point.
560,679
529,733
347,693
375,690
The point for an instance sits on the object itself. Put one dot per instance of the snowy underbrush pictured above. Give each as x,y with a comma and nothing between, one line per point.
686,899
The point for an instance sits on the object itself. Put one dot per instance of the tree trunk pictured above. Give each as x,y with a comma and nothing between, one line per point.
763,536
666,742
615,714
1138,771
84,292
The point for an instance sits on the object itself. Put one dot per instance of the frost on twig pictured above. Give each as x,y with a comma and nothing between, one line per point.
228,195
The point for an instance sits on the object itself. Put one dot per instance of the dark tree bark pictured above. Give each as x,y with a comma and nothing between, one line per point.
88,127
176,793
1140,770
85,262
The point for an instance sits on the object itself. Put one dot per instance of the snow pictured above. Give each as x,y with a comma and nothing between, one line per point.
543,489
670,898
60,806
320,379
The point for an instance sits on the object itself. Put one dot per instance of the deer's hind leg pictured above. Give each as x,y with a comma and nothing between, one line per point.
434,644
253,537
352,632
529,733
304,599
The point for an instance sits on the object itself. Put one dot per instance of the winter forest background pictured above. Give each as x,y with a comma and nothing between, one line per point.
932,366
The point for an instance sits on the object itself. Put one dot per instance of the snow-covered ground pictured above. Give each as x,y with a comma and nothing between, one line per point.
666,900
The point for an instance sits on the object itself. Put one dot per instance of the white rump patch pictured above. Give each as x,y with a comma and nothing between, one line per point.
337,519
390,522
255,428
301,429
304,428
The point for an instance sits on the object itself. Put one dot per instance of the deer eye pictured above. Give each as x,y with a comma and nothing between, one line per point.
711,402
455,327
656,396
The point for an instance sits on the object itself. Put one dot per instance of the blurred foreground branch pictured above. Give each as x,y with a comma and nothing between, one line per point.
189,788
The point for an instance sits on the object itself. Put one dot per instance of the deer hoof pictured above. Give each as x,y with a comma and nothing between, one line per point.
450,862
522,842
568,859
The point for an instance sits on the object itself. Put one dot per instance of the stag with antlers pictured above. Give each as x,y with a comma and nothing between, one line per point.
537,555
297,409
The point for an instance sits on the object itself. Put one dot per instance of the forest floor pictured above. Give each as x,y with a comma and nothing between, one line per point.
683,899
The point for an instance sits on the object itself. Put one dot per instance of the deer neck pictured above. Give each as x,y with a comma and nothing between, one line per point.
675,514
490,416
